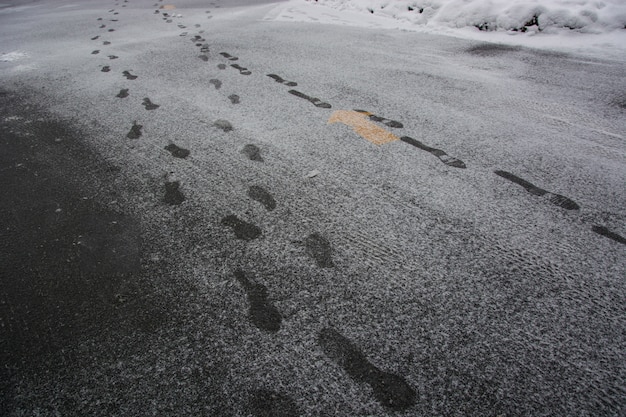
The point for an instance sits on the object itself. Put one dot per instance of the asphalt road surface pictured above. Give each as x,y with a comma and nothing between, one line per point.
205,212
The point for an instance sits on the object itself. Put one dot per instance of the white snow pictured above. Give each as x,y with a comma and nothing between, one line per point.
596,27
12,56
583,15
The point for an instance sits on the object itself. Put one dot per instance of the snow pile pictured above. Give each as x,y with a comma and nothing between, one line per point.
548,16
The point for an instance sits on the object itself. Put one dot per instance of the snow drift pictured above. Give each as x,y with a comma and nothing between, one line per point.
587,16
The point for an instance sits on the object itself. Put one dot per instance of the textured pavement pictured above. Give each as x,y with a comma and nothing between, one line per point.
217,214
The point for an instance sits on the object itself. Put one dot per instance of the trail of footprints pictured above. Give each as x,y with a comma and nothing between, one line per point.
390,390
554,198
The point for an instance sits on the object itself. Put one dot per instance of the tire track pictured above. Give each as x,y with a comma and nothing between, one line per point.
565,116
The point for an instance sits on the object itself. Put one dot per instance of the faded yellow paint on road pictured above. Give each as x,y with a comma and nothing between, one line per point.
167,7
362,126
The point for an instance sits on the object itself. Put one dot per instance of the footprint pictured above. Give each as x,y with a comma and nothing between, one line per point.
103,26
262,196
242,70
204,48
390,390
223,124
99,18
316,101
443,157
135,131
263,314
228,56
278,79
111,30
234,98
386,122
252,152
601,230
149,105
129,76
106,68
95,37
217,83
113,57
183,34
123,93
221,66
106,43
96,52
562,201
203,57
243,230
318,248
173,196
266,403
177,151
555,199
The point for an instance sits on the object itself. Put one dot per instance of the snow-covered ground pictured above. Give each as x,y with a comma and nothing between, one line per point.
183,232
591,27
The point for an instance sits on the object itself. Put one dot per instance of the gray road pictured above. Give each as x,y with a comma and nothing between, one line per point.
183,234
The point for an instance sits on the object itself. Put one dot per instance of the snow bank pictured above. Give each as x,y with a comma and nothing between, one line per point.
549,16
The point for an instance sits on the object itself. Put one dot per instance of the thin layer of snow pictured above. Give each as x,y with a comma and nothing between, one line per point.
589,26
7,8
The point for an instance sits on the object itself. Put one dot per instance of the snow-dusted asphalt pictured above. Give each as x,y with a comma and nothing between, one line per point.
182,234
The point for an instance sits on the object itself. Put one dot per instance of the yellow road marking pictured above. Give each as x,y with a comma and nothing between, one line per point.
363,127
167,7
